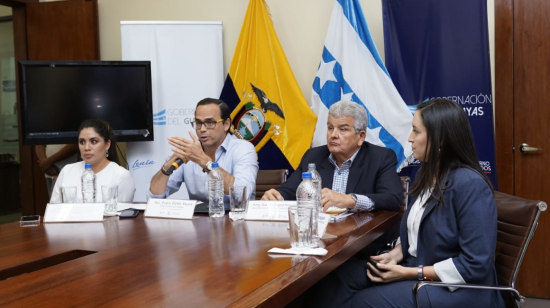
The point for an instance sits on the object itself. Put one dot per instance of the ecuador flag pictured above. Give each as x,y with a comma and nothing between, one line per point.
269,109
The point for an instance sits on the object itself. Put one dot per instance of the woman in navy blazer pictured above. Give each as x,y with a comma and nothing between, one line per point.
447,234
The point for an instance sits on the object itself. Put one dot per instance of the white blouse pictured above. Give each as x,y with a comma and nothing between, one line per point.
111,175
413,221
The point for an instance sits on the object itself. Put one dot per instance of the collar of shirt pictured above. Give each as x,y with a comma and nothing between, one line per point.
345,165
224,147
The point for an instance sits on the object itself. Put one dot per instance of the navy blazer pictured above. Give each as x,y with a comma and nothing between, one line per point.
464,229
372,174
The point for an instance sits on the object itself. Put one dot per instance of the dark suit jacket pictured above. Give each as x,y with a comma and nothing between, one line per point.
464,229
372,174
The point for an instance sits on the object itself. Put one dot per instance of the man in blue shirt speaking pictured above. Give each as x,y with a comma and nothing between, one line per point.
192,158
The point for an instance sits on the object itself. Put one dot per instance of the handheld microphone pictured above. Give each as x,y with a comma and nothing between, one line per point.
175,165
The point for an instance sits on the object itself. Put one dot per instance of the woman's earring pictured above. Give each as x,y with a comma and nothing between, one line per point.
107,153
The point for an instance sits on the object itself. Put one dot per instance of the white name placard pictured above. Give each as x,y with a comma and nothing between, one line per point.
268,210
74,212
324,219
169,208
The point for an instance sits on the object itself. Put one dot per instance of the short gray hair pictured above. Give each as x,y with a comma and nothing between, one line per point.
350,109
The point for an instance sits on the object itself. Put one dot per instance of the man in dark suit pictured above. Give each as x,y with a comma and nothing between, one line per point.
355,174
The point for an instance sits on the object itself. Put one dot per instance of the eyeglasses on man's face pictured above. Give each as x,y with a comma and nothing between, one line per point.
209,124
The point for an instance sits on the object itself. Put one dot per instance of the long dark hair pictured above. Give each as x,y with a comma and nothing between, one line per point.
450,145
104,130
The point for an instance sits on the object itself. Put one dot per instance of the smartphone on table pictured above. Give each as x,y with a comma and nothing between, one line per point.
129,213
28,221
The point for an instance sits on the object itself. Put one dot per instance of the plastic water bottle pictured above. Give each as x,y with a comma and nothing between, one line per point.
316,179
215,192
315,176
306,195
88,184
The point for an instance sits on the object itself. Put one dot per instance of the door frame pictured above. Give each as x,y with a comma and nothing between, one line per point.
504,94
26,161
33,190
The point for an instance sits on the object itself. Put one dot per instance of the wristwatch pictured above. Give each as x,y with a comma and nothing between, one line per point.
164,171
354,197
207,167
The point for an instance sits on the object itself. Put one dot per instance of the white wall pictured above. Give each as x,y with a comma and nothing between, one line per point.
300,24
5,11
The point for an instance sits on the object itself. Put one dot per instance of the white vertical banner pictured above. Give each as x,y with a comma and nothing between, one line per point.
186,66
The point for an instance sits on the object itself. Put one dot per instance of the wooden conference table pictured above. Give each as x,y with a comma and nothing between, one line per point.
153,262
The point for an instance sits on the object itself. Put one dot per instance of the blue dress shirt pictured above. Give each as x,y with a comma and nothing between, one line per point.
340,182
237,157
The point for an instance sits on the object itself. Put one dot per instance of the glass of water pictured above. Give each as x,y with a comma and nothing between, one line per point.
68,194
299,220
109,194
238,200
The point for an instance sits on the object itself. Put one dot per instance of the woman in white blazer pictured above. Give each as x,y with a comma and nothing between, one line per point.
98,148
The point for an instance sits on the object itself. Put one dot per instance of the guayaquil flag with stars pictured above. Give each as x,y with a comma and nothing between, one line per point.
351,69
269,109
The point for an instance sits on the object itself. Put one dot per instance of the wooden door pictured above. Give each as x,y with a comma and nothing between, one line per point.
59,30
63,30
523,88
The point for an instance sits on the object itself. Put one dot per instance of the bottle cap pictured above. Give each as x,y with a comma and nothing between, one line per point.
88,166
306,175
311,166
214,165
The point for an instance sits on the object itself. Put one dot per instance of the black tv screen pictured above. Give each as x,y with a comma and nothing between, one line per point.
56,96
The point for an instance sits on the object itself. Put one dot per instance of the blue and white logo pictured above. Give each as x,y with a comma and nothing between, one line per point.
159,118
142,164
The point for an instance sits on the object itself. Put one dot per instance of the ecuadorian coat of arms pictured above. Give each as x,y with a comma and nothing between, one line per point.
251,122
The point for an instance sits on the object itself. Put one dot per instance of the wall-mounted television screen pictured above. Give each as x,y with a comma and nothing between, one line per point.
56,96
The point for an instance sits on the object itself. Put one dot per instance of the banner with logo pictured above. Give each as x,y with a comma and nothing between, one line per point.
269,109
438,49
186,66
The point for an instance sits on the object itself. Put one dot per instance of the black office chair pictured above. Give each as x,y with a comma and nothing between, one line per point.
405,182
517,223
267,179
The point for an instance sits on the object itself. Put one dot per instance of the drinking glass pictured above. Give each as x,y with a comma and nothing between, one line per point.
109,195
68,194
238,200
299,220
